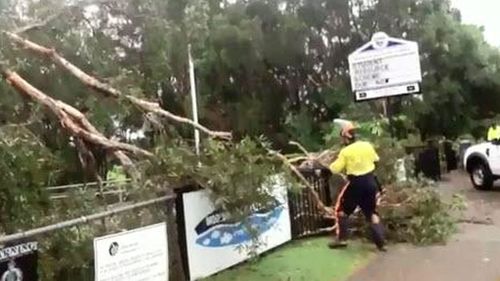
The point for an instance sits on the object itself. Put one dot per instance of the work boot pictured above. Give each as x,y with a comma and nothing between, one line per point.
343,228
342,233
377,232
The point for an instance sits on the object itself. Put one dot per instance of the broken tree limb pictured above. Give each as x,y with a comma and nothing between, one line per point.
301,147
88,161
126,162
68,123
108,90
316,198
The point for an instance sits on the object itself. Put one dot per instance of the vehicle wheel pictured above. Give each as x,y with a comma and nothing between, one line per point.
481,177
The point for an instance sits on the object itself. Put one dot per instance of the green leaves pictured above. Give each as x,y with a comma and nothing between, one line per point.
26,167
236,175
425,218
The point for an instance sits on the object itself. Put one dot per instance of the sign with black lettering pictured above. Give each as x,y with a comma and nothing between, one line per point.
385,67
134,255
19,262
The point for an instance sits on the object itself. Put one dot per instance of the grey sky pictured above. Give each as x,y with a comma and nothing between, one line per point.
483,13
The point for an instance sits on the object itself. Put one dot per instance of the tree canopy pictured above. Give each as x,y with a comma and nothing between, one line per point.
277,68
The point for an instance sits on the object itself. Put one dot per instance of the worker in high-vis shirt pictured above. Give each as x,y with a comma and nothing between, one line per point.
494,132
357,161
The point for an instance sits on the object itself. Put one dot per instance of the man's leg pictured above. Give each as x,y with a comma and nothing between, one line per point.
341,231
368,205
344,207
377,232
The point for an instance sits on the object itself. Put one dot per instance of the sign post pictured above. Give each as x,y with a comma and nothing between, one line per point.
385,67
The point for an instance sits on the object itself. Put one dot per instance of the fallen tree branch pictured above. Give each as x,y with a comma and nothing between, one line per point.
108,90
301,147
486,221
297,159
63,112
317,200
126,162
88,161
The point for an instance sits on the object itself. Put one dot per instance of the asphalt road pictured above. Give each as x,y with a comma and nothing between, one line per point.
472,255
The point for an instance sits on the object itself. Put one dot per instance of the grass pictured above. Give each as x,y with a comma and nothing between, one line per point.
308,260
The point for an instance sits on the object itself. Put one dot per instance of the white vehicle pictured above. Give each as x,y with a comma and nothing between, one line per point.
482,162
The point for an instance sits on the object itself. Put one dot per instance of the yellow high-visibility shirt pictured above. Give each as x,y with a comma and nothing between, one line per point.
494,133
356,159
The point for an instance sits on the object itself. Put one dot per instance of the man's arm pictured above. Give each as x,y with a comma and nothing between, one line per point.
338,166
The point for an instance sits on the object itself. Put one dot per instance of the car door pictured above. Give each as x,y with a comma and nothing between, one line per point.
493,154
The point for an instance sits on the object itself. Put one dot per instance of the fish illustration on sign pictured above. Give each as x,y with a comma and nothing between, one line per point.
217,230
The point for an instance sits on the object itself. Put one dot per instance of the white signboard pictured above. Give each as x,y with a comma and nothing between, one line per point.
215,244
385,67
135,255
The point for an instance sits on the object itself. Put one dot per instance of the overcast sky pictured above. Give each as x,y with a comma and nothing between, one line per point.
484,13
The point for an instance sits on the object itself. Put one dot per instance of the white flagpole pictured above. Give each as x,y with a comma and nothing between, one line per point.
194,100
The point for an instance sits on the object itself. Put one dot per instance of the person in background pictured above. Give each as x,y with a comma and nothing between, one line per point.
494,132
357,160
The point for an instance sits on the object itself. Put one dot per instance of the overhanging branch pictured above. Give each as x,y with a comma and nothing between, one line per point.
70,118
108,90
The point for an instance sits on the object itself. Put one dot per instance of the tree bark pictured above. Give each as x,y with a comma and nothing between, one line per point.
108,90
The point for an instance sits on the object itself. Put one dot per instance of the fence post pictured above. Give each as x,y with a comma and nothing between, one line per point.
176,267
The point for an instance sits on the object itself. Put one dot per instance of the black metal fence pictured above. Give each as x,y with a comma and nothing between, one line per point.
305,217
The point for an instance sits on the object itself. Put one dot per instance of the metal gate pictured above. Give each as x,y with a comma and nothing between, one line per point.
306,220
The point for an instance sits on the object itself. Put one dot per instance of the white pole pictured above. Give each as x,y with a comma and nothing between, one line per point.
194,100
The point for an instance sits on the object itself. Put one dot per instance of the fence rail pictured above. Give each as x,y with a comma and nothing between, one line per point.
111,187
86,185
82,220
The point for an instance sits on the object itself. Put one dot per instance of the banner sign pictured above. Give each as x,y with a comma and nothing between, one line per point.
385,67
135,255
214,242
19,262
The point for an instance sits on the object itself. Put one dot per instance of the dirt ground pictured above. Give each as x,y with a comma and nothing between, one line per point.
473,254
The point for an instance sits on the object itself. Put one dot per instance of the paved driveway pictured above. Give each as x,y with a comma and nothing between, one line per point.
472,255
